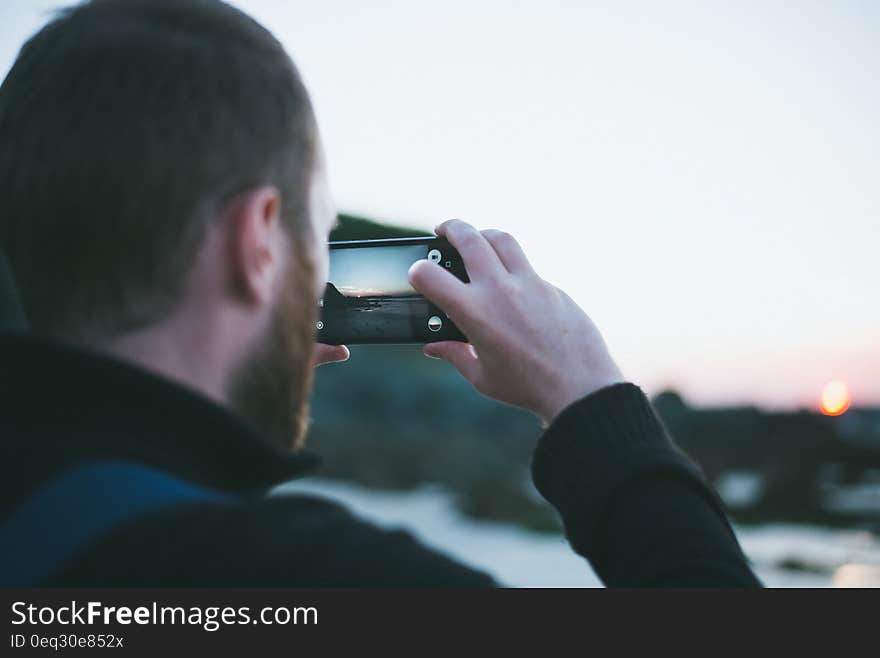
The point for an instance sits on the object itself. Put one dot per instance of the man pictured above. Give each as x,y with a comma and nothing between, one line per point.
164,208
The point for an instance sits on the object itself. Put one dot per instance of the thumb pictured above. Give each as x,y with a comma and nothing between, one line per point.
461,355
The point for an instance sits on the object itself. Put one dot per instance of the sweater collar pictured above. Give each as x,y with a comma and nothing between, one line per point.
60,404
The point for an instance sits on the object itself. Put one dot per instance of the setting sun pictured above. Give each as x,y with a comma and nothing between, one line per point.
835,398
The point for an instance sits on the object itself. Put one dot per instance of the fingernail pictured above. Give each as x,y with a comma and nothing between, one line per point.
431,356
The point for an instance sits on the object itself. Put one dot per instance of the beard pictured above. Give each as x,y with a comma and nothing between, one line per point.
271,386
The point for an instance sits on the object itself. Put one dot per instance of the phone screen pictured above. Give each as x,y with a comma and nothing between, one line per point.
365,272
368,298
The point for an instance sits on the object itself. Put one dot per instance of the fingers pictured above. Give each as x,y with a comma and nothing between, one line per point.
329,354
460,355
438,285
480,259
509,252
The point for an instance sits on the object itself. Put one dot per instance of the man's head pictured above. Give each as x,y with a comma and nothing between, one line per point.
161,188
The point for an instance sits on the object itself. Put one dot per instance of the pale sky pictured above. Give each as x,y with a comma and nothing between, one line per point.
702,177
373,270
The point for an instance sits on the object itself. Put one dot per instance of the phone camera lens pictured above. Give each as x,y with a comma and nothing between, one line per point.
435,323
434,255
320,325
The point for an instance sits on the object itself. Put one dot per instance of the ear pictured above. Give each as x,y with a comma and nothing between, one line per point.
256,244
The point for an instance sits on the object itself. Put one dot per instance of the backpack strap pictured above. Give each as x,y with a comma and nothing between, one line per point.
75,509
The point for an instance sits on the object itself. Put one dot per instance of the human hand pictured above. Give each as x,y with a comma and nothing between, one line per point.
530,344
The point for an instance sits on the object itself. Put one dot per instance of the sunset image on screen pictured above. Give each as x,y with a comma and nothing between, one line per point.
835,398
374,271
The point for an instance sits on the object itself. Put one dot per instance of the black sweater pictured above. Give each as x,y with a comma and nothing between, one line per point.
632,504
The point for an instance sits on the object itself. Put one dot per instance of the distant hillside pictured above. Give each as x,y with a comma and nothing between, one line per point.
390,418
352,227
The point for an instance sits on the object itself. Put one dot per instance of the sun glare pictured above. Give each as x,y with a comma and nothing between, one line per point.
835,398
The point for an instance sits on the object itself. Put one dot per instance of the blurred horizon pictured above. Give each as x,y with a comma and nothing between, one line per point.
700,177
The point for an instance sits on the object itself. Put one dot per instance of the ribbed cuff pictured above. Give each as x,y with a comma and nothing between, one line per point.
595,446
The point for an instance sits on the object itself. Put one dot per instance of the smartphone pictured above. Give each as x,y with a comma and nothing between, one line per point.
368,298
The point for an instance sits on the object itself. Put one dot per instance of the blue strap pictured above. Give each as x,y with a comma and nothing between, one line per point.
72,511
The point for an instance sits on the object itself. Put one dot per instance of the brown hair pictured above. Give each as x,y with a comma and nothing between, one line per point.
125,126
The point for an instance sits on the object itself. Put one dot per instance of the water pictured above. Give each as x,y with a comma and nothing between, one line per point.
783,555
